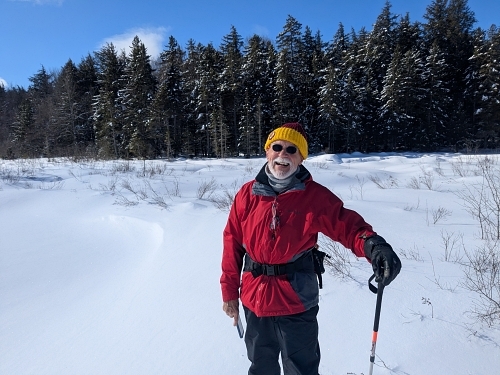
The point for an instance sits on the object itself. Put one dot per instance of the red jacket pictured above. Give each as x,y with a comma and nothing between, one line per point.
303,211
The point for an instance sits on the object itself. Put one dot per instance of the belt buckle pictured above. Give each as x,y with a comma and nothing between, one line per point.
270,271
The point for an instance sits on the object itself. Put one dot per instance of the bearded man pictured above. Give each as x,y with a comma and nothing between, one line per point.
271,235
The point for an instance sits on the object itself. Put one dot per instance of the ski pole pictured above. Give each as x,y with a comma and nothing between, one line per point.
378,291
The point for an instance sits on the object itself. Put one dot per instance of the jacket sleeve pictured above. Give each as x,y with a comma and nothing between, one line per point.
344,225
232,254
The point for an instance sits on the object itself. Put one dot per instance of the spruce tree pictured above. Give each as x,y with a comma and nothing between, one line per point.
166,113
86,87
108,127
488,111
63,126
230,86
135,98
289,102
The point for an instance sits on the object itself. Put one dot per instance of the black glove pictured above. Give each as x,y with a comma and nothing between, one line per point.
385,263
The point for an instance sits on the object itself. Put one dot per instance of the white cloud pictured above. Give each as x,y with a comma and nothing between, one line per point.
151,37
260,30
3,83
41,2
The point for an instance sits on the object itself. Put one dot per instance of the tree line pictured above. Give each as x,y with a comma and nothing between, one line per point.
403,86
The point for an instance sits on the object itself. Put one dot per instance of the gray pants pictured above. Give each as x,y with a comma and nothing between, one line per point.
294,336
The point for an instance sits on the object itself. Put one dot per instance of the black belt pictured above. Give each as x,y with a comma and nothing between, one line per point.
303,264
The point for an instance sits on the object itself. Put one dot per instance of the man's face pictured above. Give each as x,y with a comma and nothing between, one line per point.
283,163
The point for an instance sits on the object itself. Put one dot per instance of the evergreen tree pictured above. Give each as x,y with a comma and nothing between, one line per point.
289,102
108,128
332,98
166,114
449,26
377,51
208,98
24,132
63,127
311,80
192,133
256,120
86,87
437,101
488,112
231,88
40,92
402,98
135,98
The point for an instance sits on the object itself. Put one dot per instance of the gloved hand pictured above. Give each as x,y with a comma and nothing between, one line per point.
385,262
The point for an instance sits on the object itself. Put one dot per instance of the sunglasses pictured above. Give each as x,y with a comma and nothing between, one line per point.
289,150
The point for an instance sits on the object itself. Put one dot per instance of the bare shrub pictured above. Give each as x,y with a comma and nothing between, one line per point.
427,179
206,188
440,214
414,183
388,183
482,200
122,167
339,263
110,186
411,208
121,200
411,253
225,200
175,190
482,277
449,245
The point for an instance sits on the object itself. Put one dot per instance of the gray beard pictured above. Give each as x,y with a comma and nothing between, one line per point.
280,184
279,175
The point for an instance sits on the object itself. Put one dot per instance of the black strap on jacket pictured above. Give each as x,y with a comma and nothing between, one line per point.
303,263
311,261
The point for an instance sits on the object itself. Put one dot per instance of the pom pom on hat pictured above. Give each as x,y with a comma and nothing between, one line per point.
292,132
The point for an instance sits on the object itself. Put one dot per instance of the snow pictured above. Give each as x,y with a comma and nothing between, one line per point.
98,278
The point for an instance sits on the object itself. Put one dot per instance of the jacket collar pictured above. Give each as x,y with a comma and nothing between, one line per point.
261,184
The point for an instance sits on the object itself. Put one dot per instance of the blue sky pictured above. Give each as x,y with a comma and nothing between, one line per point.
49,32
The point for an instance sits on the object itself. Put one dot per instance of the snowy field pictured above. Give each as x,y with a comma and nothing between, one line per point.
113,267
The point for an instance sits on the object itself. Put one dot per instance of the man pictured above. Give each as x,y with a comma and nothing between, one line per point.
270,234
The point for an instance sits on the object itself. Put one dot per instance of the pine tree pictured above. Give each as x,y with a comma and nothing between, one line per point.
311,79
437,101
332,94
108,128
402,99
166,114
135,98
63,127
86,87
377,51
192,131
23,130
449,26
289,102
208,99
231,88
256,120
488,112
40,91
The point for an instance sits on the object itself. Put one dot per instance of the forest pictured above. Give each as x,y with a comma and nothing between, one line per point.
403,86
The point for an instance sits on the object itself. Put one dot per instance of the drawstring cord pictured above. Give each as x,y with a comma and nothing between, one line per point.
275,221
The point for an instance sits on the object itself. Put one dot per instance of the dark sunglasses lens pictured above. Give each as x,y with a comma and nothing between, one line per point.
290,149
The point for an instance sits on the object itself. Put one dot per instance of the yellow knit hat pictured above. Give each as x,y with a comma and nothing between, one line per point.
292,132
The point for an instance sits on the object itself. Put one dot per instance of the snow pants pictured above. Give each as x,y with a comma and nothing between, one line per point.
294,336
